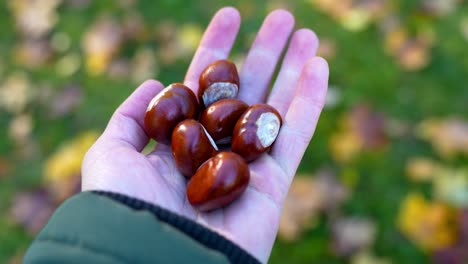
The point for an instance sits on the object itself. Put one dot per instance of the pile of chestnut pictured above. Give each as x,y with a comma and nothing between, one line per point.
195,127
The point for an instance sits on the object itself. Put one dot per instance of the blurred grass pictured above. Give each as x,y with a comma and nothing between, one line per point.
361,70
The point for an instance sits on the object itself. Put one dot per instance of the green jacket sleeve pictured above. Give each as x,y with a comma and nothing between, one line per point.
100,227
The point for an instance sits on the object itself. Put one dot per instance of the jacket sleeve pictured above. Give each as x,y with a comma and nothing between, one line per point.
102,227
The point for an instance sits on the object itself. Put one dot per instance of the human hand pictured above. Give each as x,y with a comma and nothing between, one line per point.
115,162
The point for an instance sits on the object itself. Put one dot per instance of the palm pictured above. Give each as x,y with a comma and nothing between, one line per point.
115,162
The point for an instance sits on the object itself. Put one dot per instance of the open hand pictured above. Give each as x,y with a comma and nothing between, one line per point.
115,162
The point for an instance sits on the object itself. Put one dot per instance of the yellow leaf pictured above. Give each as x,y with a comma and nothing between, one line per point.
449,137
451,186
421,169
430,225
66,161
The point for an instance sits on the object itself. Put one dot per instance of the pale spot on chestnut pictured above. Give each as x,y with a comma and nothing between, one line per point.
218,91
268,127
219,80
255,131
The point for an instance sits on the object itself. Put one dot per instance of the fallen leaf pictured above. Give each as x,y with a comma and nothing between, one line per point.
353,15
456,254
62,169
307,197
366,257
134,27
449,136
414,55
421,169
20,129
370,126
451,186
34,18
65,101
178,42
360,129
15,92
327,49
33,53
144,65
430,225
68,64
32,210
352,234
334,97
119,69
100,43
439,7
5,167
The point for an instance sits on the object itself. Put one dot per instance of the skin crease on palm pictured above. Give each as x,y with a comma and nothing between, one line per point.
115,162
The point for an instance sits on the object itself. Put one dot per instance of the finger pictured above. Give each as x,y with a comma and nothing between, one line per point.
302,116
303,47
216,44
263,56
126,126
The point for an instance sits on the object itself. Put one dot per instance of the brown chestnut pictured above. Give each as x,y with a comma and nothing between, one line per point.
255,131
219,80
170,106
191,146
218,182
220,118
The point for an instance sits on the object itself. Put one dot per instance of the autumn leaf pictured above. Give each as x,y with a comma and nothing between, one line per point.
439,7
456,254
33,53
352,234
430,225
177,42
34,19
5,167
449,136
20,129
144,65
360,129
327,48
353,15
100,43
15,92
451,186
32,210
65,101
421,169
366,257
62,169
307,197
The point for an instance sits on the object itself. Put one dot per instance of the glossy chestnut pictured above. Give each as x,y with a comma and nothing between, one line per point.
218,182
170,106
255,131
220,118
191,146
219,80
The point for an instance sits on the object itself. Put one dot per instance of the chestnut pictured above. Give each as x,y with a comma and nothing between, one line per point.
219,80
191,146
220,118
170,106
255,131
218,182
